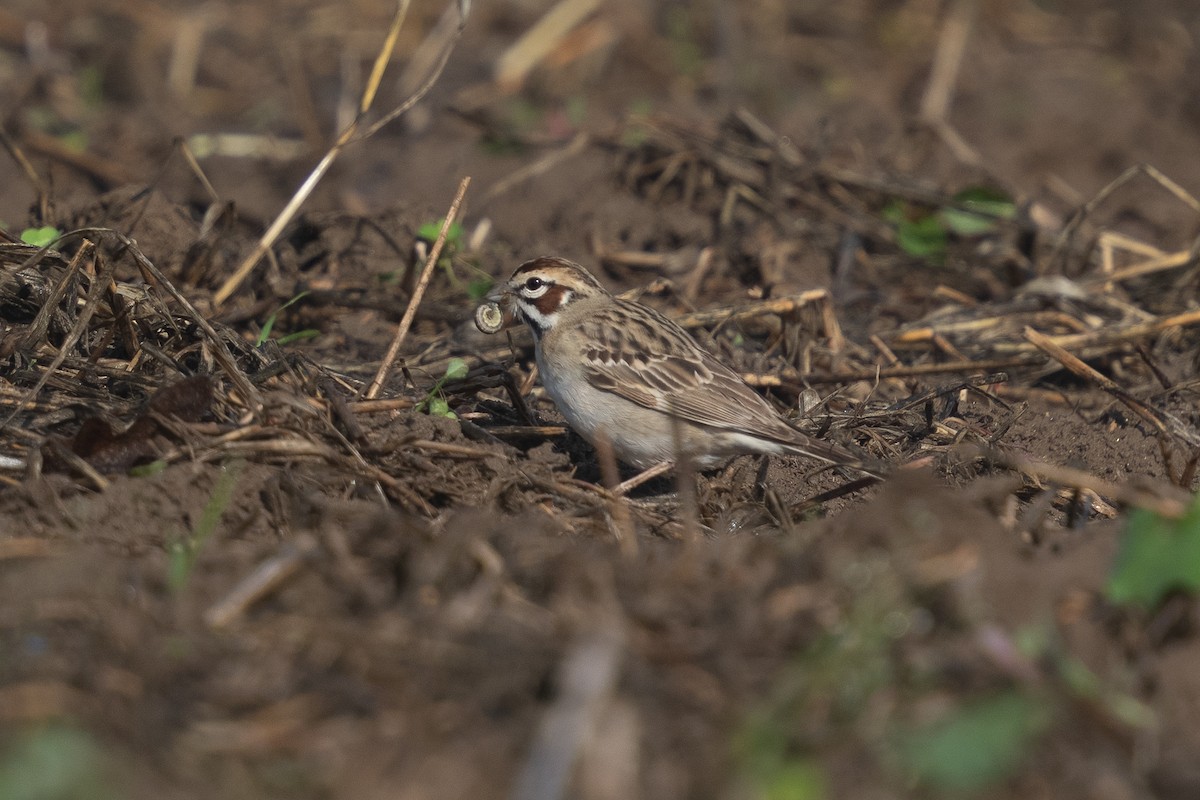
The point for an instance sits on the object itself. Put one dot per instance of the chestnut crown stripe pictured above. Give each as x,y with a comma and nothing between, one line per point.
549,264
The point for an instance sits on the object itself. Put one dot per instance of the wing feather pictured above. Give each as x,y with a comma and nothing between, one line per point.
647,359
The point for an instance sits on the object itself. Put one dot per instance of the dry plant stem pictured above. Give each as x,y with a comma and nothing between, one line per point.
250,395
928,334
939,94
264,580
586,678
99,283
186,47
1172,503
349,445
781,306
463,10
885,351
25,547
545,431
340,408
537,168
791,376
625,487
952,44
106,172
194,166
43,197
1107,337
450,449
1158,263
622,521
943,344
539,41
1069,230
75,462
410,313
375,406
1076,366
348,135
685,482
816,500
238,443
41,323
963,299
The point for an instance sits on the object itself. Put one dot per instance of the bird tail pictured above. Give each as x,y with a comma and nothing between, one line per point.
803,445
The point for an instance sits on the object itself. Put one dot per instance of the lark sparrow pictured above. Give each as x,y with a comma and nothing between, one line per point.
621,371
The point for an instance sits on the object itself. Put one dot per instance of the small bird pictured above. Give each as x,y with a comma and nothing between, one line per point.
622,372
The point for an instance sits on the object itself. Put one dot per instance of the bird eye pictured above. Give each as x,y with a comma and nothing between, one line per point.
533,284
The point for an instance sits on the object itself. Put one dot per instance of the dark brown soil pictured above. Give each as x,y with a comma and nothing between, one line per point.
460,611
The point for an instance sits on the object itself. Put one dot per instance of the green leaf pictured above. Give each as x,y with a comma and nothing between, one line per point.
977,745
977,211
1085,684
265,333
307,333
922,237
479,288
577,110
179,563
430,230
182,550
438,407
91,87
76,141
796,780
54,761
895,212
1157,555
920,234
456,369
269,325
40,237
964,223
146,470
984,200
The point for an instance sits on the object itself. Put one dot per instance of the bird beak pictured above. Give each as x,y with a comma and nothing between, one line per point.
502,296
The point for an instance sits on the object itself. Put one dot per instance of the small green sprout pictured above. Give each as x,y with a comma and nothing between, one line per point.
1157,555
920,236
298,336
454,238
480,288
184,549
971,212
269,325
977,211
577,110
435,403
977,745
91,87
53,759
637,119
477,287
40,237
148,470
